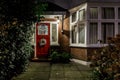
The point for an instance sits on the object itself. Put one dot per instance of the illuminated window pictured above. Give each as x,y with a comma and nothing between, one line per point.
54,32
81,31
74,17
74,34
43,30
82,15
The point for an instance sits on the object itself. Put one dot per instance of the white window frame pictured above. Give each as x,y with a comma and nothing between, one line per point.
99,21
82,18
77,44
102,17
90,13
53,43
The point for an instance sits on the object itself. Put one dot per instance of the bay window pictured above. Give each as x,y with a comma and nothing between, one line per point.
93,33
82,15
81,33
119,13
99,25
107,31
108,13
93,13
74,16
74,34
119,28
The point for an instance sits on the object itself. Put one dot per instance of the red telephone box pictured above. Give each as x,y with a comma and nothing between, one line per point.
42,39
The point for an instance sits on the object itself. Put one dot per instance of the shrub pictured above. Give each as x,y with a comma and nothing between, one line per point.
55,56
16,16
106,61
63,57
15,51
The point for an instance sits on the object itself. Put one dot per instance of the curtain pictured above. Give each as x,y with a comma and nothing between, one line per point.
119,28
107,31
74,33
108,13
82,15
54,32
93,13
118,13
81,31
93,33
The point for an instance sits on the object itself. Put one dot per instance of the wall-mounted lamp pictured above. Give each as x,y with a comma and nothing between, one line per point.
62,24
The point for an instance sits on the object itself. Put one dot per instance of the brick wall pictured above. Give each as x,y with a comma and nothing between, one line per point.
79,53
64,37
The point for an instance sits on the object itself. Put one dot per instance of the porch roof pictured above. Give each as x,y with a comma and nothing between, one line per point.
68,4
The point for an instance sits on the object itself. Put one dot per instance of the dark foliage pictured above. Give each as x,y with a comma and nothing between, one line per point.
16,18
60,57
106,61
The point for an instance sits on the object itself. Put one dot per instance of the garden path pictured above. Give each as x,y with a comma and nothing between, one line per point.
58,71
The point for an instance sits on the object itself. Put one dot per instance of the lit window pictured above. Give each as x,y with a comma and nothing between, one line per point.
54,32
74,17
107,31
43,29
82,15
108,13
93,13
74,34
81,31
93,33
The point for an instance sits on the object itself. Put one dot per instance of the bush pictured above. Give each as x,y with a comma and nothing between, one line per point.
16,16
62,57
15,51
106,61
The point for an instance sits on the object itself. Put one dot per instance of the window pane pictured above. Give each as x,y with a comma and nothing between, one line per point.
74,17
108,13
93,33
119,28
107,31
119,13
54,32
43,30
82,15
74,33
81,31
93,13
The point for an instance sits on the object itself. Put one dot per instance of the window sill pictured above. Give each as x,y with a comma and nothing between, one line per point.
88,45
54,44
77,45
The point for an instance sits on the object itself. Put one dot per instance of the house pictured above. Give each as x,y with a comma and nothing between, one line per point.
77,26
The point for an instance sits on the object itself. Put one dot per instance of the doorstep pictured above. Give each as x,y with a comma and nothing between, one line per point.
42,59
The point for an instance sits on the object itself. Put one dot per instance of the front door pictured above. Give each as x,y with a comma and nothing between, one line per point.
42,39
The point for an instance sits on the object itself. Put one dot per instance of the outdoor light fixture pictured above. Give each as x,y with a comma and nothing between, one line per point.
62,24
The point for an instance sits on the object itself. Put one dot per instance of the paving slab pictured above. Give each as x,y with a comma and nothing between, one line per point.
58,71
